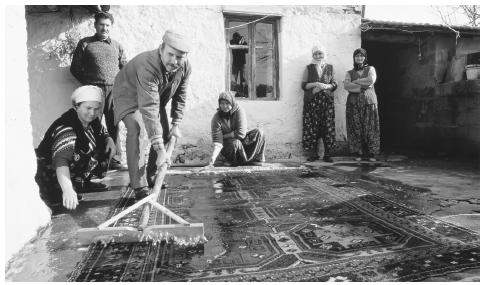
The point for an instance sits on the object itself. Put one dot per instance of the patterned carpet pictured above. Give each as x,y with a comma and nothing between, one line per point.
289,226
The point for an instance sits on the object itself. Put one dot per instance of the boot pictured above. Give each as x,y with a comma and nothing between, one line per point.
89,186
142,192
327,158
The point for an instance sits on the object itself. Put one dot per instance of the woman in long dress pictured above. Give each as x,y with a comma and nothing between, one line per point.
362,122
318,110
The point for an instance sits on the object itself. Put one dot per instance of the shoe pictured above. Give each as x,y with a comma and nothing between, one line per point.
256,163
115,164
327,158
151,182
142,192
95,186
313,158
56,210
371,157
90,186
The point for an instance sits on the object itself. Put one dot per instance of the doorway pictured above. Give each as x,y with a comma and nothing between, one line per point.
387,58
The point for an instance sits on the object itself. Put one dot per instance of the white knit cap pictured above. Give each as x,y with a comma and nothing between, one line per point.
87,93
176,40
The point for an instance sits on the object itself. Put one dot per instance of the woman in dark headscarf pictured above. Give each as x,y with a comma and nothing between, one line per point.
318,111
230,136
362,123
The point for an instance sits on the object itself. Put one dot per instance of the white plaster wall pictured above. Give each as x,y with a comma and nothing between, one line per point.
140,28
24,211
301,28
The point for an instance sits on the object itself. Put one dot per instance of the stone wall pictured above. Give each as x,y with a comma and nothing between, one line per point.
140,28
448,107
456,67
427,103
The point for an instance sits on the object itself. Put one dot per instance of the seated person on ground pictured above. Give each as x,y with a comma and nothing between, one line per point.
230,136
75,147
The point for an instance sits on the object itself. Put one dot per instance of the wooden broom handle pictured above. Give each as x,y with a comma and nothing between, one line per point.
164,167
162,170
145,214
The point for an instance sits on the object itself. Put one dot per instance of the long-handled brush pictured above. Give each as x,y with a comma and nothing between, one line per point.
183,233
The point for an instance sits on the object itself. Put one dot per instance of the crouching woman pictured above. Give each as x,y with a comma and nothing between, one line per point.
75,147
230,136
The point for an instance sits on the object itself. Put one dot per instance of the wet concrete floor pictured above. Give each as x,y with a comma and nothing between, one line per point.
451,194
438,187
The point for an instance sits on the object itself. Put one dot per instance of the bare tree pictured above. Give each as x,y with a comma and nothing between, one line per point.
473,13
449,14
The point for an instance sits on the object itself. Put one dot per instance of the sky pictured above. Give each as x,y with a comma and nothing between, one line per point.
415,14
415,11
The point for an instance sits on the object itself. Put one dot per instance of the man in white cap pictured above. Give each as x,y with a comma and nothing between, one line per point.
141,91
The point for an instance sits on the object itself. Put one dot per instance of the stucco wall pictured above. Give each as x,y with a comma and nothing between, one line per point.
456,69
140,28
24,211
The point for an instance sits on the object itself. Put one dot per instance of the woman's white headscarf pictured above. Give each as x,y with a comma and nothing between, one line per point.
318,63
87,93
323,50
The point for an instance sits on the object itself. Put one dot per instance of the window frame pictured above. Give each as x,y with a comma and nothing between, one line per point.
251,62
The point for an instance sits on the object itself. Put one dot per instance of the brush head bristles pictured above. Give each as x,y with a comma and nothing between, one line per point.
179,234
156,238
180,240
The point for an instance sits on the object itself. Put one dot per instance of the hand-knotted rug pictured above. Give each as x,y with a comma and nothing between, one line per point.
287,226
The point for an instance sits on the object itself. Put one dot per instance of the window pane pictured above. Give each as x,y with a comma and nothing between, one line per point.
263,73
264,61
239,57
263,35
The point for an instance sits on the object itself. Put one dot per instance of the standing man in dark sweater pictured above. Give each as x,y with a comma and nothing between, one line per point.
96,61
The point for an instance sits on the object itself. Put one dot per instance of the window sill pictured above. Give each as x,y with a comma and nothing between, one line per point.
256,99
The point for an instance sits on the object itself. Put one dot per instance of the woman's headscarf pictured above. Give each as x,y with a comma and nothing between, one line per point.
86,93
229,97
315,49
360,66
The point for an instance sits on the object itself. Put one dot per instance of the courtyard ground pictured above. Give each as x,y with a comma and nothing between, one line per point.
443,189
